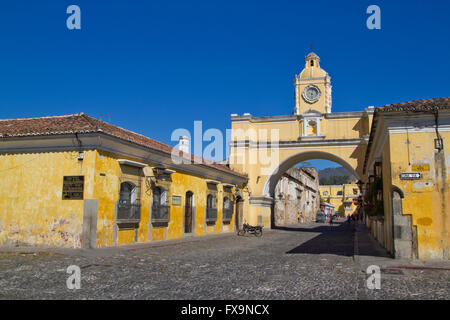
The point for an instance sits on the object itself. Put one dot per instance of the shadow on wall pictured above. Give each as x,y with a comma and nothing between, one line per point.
335,240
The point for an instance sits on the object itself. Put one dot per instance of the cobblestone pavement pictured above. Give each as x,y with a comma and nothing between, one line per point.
308,261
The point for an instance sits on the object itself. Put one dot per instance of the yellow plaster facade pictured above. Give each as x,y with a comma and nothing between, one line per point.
404,142
341,196
33,211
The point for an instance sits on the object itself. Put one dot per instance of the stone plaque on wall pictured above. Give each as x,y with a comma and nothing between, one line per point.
421,167
73,187
176,200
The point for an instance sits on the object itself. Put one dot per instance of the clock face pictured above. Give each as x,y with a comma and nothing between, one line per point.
311,94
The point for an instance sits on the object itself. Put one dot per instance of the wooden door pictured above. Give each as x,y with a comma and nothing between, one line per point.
188,213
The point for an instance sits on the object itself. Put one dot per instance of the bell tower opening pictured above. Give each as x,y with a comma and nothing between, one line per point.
312,87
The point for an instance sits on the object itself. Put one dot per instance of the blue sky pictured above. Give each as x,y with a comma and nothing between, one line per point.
155,66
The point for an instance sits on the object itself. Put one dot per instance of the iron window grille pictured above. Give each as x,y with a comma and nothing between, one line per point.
160,213
211,214
128,212
227,214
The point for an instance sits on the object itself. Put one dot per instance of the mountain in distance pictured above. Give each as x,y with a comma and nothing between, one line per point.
335,176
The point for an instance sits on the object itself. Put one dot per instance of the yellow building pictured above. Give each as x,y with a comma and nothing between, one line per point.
76,181
342,197
407,141
407,170
265,147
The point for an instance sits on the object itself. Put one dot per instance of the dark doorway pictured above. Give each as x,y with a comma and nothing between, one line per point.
188,212
237,216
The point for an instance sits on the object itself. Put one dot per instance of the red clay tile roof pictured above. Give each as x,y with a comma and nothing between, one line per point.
417,105
428,105
81,123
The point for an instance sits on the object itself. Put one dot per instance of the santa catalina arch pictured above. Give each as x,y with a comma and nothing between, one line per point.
265,147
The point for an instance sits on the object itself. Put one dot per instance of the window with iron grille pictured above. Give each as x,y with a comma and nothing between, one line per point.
160,209
211,210
227,209
129,208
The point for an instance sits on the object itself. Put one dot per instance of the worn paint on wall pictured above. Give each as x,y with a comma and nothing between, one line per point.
425,200
33,212
125,236
158,234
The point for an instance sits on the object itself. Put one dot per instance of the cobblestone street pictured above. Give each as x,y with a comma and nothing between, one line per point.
309,261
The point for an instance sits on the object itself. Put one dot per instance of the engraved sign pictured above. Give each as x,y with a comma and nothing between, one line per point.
421,167
73,187
176,200
410,176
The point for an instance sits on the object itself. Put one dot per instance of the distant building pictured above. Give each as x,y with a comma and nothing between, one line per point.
327,208
342,197
297,192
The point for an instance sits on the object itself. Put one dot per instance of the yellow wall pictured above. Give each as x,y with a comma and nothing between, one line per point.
338,200
32,209
108,194
426,200
34,213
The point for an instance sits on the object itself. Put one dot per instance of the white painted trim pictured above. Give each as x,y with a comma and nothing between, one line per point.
312,147
344,119
131,163
314,142
212,181
419,130
275,122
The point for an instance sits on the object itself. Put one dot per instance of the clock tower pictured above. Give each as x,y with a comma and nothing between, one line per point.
312,87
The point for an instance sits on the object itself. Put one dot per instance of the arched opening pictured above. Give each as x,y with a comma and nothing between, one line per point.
404,232
211,209
299,196
159,196
227,212
272,180
128,206
160,209
210,201
127,193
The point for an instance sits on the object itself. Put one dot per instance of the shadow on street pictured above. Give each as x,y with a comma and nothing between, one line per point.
337,239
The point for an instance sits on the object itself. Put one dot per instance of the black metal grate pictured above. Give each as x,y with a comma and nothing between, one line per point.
227,214
127,211
211,214
160,213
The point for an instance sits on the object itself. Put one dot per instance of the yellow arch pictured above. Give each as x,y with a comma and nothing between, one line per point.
272,180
